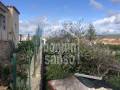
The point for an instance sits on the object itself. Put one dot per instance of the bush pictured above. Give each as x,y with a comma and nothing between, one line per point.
55,71
93,60
24,53
114,81
25,45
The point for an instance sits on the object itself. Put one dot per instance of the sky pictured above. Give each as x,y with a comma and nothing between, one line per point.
104,14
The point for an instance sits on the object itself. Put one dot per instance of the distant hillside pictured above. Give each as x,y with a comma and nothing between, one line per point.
109,36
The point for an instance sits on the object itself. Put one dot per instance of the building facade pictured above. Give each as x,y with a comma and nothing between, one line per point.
9,23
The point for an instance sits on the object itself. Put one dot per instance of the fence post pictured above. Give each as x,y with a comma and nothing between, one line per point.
14,71
29,74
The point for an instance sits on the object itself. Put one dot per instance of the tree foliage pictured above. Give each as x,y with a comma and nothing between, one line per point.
91,34
25,48
95,59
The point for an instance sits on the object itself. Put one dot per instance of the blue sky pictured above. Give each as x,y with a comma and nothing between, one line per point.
89,10
61,9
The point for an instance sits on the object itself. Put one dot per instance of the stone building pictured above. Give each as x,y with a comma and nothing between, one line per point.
9,34
9,23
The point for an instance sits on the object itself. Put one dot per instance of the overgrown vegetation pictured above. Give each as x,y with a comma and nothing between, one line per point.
24,54
55,72
95,59
114,77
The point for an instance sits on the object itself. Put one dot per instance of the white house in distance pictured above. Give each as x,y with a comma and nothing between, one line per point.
9,23
25,37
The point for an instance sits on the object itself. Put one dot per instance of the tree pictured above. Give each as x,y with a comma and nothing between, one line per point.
91,34
70,32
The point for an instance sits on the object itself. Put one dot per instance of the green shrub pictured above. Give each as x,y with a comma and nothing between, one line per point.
115,81
6,72
25,45
24,53
55,71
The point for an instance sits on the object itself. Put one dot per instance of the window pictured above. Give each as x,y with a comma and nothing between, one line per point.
2,22
4,27
16,28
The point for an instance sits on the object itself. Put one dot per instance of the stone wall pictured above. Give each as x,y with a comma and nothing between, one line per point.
6,48
5,52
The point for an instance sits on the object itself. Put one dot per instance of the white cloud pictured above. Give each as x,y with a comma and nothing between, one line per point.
30,26
109,25
96,4
112,12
